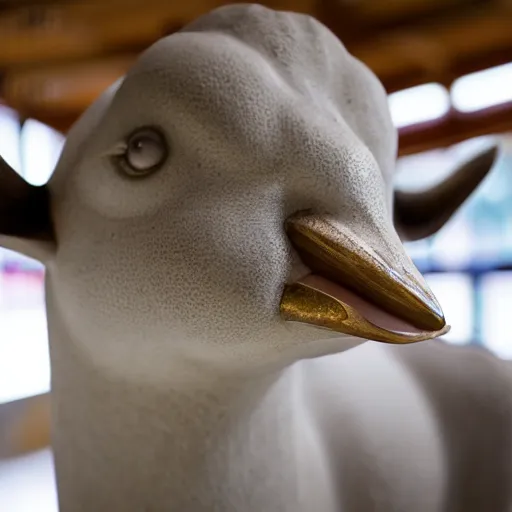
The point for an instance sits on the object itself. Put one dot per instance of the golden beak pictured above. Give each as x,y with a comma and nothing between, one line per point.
355,290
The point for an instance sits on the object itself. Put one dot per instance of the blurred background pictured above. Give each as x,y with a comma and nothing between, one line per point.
447,67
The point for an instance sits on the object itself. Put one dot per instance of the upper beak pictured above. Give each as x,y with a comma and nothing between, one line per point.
352,282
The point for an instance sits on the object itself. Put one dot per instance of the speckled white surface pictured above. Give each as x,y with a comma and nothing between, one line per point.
173,380
266,114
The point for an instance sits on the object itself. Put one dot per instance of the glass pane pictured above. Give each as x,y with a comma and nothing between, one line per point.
27,483
420,253
417,172
41,149
419,104
452,247
456,295
24,360
483,89
496,313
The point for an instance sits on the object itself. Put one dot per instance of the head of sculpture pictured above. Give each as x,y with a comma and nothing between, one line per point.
230,202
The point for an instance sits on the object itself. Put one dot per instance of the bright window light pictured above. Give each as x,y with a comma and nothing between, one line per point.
41,147
419,104
496,328
415,173
452,247
455,294
10,137
483,89
27,483
24,359
419,249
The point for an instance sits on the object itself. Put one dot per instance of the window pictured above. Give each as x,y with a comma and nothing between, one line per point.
419,104
462,261
24,363
456,293
40,148
496,322
484,89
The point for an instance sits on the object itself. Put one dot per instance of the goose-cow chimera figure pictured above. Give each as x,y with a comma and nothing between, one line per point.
221,238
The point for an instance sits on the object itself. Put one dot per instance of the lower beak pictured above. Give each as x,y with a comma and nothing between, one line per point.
354,289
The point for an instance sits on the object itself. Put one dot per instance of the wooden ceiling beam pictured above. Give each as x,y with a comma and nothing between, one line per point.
454,129
430,54
433,50
398,14
63,89
93,44
31,35
76,30
391,10
399,63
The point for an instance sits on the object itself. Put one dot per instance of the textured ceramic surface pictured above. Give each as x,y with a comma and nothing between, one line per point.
176,383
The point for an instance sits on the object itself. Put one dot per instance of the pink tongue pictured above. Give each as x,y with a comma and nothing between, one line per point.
372,313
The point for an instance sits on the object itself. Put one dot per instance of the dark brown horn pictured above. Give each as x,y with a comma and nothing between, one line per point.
421,214
24,208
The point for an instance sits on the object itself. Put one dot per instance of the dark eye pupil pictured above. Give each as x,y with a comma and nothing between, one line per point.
138,144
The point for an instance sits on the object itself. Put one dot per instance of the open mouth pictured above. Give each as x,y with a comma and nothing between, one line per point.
354,290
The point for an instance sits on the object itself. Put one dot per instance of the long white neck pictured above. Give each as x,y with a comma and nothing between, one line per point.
132,446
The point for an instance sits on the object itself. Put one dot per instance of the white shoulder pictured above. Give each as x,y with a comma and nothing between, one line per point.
470,391
467,373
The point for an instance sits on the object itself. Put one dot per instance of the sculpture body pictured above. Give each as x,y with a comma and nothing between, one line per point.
176,382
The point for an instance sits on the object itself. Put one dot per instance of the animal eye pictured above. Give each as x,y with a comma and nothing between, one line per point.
146,151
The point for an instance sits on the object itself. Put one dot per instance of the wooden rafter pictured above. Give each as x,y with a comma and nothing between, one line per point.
58,57
456,128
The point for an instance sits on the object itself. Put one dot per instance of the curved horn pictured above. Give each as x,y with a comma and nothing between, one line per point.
25,213
421,214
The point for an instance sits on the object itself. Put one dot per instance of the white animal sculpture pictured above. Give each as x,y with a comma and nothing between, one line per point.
219,242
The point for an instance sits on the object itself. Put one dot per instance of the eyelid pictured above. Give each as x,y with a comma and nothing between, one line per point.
117,149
